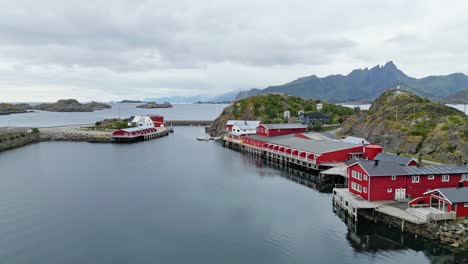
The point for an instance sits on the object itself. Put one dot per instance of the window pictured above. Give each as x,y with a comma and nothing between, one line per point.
365,177
464,177
415,179
393,177
430,177
356,187
356,175
389,190
365,189
465,205
445,178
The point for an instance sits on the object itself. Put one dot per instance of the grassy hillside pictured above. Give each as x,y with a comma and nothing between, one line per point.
269,108
403,122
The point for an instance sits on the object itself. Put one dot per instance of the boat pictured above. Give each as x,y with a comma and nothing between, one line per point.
204,138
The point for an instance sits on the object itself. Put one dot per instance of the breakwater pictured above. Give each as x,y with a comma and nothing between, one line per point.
11,138
189,122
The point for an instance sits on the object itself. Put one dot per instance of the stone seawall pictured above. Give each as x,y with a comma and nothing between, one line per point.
20,141
74,138
453,233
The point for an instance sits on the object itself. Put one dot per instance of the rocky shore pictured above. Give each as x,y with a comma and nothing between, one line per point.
17,142
453,233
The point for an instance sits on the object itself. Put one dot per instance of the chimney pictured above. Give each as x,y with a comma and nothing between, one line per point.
376,162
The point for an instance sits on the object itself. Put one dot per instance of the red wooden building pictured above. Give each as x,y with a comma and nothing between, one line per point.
318,152
271,130
384,180
446,200
133,134
158,121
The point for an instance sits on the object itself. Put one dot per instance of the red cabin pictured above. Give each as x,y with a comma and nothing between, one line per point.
382,180
445,200
271,130
158,121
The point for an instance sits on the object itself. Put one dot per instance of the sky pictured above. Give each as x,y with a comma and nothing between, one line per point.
133,49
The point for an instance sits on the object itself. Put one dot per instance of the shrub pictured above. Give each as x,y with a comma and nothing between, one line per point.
35,130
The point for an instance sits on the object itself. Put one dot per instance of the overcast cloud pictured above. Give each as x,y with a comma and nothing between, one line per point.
116,49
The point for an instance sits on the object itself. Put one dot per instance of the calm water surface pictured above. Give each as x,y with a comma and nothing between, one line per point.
178,200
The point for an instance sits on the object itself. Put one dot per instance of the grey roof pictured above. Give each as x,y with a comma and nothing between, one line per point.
249,122
284,126
437,169
355,140
249,126
402,160
389,168
382,169
134,129
309,145
455,195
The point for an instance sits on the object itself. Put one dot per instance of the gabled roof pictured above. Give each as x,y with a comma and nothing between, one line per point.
402,160
382,169
455,195
390,168
247,125
284,126
355,140
249,122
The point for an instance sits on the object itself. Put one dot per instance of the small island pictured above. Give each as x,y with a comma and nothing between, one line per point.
71,105
7,109
130,102
155,105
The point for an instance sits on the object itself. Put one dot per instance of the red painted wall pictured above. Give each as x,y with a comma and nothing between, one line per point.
418,189
157,118
337,156
462,211
229,127
278,132
363,183
412,163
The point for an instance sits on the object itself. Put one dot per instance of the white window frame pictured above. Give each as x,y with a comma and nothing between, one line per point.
364,189
389,190
393,177
365,177
464,177
465,204
430,177
415,179
445,178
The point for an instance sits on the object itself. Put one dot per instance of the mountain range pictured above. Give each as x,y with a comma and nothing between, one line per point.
366,85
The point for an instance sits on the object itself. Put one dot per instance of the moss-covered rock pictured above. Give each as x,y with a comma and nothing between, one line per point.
403,122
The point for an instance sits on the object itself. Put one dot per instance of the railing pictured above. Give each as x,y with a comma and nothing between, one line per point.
443,216
341,186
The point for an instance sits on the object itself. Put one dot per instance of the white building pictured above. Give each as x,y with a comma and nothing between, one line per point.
141,121
245,128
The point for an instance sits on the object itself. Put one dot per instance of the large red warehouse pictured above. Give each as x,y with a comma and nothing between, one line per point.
271,130
318,152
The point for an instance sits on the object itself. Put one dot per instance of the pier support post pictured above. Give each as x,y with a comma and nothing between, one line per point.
402,225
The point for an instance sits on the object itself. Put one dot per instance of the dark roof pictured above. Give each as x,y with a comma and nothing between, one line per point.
382,169
402,160
455,195
389,168
284,126
316,115
306,144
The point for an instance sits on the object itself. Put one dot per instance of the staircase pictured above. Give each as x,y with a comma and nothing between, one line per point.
422,213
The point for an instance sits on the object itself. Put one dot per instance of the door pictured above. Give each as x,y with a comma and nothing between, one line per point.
403,193
397,194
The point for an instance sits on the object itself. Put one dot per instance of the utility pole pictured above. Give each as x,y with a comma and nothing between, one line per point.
414,110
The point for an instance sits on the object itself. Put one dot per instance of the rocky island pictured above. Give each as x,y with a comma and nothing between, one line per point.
404,122
130,101
71,105
6,109
155,105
